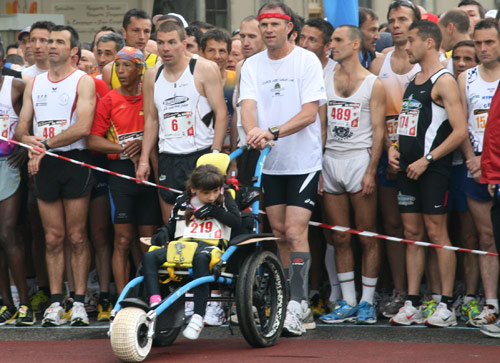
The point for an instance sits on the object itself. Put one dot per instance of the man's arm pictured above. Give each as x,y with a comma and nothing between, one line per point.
212,88
151,124
446,91
377,109
26,120
85,109
473,162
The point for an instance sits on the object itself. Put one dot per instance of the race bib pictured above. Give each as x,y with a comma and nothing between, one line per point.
125,138
206,229
480,119
408,120
178,124
5,126
343,114
50,128
391,124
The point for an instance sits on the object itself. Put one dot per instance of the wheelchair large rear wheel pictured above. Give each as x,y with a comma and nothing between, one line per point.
261,299
164,338
129,335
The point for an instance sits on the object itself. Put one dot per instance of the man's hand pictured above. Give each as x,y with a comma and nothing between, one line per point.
143,171
133,148
34,163
35,141
368,184
474,166
18,157
393,156
417,168
257,138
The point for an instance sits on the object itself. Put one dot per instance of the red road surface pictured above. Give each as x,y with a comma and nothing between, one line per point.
236,350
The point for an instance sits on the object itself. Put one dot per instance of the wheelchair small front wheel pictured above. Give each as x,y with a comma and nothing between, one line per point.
261,299
130,340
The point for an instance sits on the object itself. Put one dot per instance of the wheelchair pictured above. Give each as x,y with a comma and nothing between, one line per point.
253,278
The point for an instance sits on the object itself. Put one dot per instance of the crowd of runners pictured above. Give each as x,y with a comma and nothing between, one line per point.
385,127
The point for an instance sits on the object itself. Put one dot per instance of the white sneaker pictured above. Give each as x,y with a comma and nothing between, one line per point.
307,316
293,320
407,315
193,329
442,317
189,309
79,315
54,315
214,315
488,315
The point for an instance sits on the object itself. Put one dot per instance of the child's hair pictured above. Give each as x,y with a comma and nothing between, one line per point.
204,177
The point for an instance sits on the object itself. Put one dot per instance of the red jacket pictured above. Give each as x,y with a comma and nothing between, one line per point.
490,158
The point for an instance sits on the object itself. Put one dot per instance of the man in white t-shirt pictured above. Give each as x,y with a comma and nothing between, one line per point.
280,92
39,40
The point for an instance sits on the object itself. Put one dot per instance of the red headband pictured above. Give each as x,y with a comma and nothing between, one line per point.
273,15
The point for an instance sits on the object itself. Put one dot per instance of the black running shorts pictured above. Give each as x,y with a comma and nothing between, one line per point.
292,190
132,202
427,195
59,179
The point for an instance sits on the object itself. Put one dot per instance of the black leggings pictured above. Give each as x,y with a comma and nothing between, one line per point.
201,267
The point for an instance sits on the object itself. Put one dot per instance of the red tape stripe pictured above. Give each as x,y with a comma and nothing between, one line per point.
89,166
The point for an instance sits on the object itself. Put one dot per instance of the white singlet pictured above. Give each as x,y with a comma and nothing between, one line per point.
54,105
280,88
185,117
478,94
349,125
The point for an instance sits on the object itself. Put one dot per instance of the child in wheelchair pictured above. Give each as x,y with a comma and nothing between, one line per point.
205,215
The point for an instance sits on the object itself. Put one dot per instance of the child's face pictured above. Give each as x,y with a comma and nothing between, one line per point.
207,196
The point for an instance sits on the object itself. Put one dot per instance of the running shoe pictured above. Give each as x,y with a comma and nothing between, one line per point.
214,315
491,330
344,313
193,329
293,320
317,305
79,315
407,315
442,317
104,308
54,315
428,308
25,316
39,302
367,313
7,316
470,310
392,306
489,315
307,316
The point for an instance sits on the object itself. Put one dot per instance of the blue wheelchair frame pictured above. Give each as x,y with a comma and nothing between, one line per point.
224,258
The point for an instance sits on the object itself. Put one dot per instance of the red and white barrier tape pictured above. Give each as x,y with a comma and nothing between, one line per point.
89,166
314,224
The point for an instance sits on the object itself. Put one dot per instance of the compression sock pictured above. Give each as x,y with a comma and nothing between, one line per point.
369,284
346,280
299,274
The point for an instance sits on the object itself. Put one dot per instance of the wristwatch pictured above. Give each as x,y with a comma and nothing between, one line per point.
47,147
429,157
275,131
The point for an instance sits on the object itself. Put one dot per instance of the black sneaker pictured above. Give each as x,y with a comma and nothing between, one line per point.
26,316
6,316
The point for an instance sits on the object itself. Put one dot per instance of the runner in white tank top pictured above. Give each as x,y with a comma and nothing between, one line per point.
60,106
354,124
477,87
185,113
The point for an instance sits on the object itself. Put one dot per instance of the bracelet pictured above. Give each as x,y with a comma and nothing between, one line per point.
144,164
396,145
47,147
215,151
